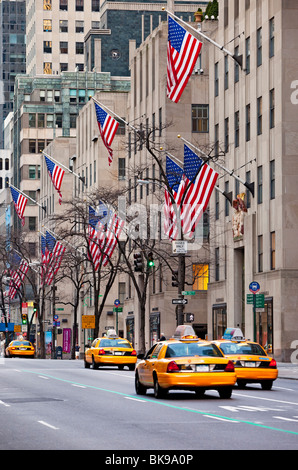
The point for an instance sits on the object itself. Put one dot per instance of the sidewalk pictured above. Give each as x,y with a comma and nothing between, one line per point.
287,370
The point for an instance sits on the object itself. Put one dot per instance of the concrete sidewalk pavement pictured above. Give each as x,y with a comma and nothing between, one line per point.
287,370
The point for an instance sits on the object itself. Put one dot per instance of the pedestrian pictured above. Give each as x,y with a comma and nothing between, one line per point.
77,350
162,338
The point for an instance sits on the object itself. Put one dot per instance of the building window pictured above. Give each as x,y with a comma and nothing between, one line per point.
32,146
236,70
79,48
63,47
272,179
216,205
32,224
272,108
40,121
216,139
237,130
247,54
47,4
271,37
227,204
50,121
259,47
47,26
216,80
272,250
32,172
248,195
95,5
259,116
47,47
72,121
47,68
260,184
63,67
79,26
160,121
64,5
200,276
217,264
200,117
32,120
226,72
247,123
63,26
121,169
260,253
226,135
79,5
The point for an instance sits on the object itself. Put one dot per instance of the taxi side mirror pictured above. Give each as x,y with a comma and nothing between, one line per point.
141,356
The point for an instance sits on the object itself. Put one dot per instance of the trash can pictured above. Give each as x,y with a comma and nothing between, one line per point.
59,352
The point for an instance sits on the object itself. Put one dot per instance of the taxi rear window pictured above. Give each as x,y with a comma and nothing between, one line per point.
119,343
240,348
21,343
192,349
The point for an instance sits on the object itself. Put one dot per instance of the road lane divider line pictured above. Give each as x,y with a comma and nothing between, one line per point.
48,425
221,419
43,377
79,386
286,419
169,405
3,403
135,399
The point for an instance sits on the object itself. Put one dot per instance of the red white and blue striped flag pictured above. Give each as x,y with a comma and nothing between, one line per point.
182,54
20,202
56,174
107,127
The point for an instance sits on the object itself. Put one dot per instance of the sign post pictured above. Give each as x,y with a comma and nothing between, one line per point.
254,287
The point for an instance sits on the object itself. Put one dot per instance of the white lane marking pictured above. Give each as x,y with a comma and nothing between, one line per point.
263,398
286,419
79,386
221,419
43,377
135,399
4,404
48,425
282,388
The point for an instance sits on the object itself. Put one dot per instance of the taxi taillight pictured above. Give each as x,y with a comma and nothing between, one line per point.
173,367
273,363
230,367
101,351
134,352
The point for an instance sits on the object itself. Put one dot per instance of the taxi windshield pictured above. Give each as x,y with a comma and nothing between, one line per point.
117,342
21,343
192,349
241,348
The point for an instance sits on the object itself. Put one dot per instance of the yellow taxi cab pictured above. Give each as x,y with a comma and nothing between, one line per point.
110,350
252,364
20,347
184,362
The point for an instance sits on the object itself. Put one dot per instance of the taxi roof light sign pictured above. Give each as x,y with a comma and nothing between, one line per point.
185,332
233,334
112,334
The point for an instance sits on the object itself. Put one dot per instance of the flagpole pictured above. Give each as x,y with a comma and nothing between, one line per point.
237,59
118,117
65,167
28,197
249,186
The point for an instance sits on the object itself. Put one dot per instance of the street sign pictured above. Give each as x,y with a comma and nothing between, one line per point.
179,301
250,298
59,308
88,321
179,247
116,302
118,309
254,287
260,301
188,292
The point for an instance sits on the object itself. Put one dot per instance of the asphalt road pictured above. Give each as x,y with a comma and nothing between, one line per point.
59,405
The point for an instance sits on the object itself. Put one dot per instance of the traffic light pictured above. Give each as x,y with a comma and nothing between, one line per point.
190,317
175,279
150,260
24,319
35,308
138,262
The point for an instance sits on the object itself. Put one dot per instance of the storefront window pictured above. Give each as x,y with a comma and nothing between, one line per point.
264,326
219,320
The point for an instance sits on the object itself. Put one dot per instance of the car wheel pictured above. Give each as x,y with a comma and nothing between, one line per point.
140,389
158,391
241,383
94,365
200,392
225,392
120,367
86,364
131,366
267,384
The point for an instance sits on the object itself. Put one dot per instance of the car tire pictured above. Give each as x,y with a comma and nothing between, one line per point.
267,384
225,392
94,365
131,366
86,364
241,383
158,391
140,389
200,392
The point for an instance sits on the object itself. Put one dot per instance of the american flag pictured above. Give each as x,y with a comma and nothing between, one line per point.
17,277
56,174
199,182
20,202
107,127
55,262
94,251
182,54
174,174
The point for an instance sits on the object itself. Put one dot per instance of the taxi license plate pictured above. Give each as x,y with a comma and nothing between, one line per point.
202,368
250,364
23,349
118,353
